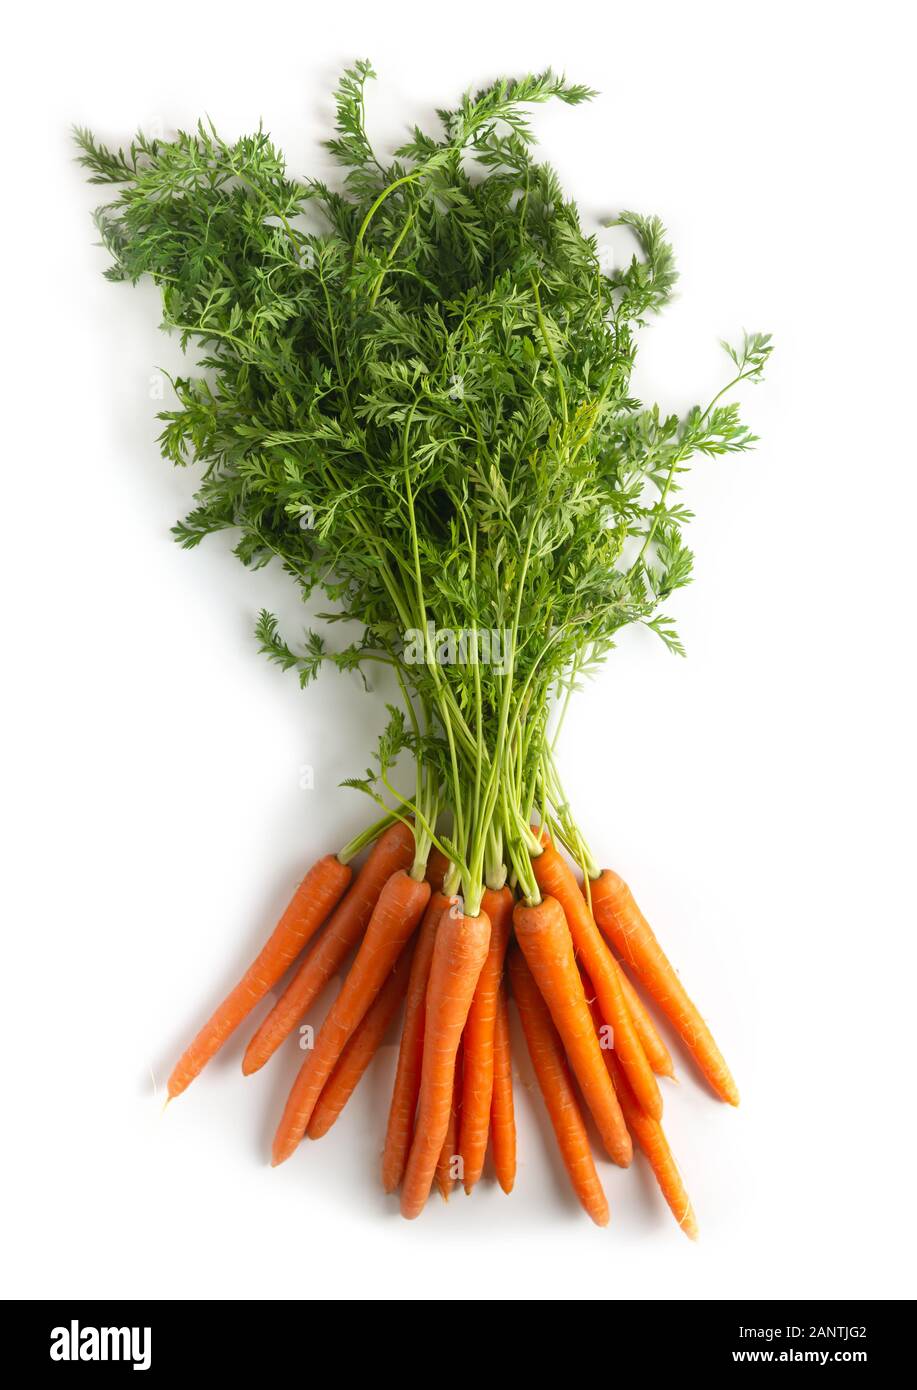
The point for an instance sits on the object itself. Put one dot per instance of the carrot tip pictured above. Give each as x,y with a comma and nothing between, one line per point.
690,1227
508,1185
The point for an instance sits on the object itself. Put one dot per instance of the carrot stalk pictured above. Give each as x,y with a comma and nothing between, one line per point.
478,1063
502,1114
365,1041
629,932
458,957
545,941
406,1087
555,877
393,922
393,850
553,1076
315,897
445,1165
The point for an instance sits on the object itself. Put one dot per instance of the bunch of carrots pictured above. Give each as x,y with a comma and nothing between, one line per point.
414,394
591,1040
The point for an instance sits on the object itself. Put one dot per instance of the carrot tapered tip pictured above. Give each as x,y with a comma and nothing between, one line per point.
689,1225
623,1155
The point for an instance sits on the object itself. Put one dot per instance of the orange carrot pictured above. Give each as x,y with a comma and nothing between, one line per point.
555,877
657,1054
649,1135
545,941
410,1054
478,1065
553,1076
393,922
647,1132
445,1164
502,1115
437,868
315,897
361,1049
458,957
393,850
629,932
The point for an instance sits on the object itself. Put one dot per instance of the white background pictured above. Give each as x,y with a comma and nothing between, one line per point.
759,796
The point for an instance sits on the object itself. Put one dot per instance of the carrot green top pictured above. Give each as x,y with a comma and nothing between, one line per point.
414,392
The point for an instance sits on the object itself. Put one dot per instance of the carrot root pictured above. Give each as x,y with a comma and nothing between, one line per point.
478,1048
654,1145
542,934
392,851
553,1076
406,1087
360,1050
556,878
315,897
502,1112
395,917
445,1176
458,958
632,937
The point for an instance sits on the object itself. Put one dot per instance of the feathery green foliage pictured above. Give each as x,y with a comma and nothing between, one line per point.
414,392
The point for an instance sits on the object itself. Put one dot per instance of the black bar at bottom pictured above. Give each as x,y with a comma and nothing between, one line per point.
264,1338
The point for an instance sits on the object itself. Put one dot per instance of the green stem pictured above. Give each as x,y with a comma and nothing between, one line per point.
366,837
364,225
